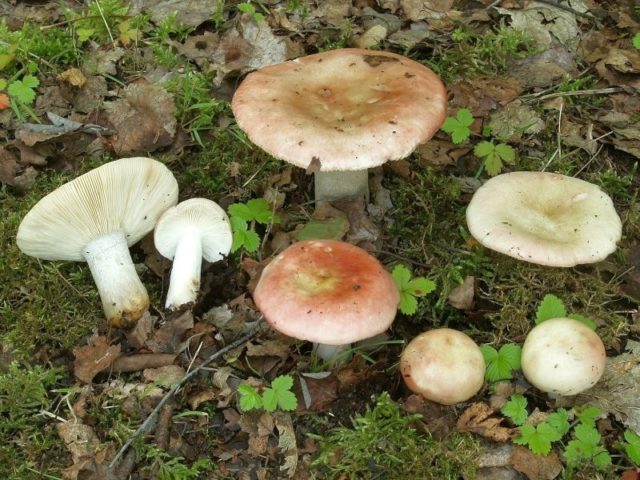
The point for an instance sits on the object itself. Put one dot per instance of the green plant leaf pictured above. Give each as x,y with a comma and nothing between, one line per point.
494,156
23,90
587,433
516,409
408,303
500,364
582,319
506,153
402,276
538,438
484,149
280,395
240,210
560,421
262,212
421,286
636,40
588,415
550,307
249,398
458,126
632,446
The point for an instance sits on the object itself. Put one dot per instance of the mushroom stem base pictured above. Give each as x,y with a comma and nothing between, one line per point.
332,354
124,298
330,186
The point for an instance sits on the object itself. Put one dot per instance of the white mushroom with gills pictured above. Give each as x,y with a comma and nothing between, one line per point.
192,230
328,292
95,218
563,356
544,218
341,112
443,365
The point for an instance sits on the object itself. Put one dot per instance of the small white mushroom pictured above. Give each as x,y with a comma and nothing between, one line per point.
563,356
186,233
544,218
96,218
443,365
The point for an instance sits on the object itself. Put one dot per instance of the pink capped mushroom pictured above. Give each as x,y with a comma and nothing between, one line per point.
341,112
327,292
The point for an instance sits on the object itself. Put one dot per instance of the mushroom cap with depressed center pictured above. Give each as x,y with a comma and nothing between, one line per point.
443,365
563,356
126,195
544,218
345,109
328,292
199,216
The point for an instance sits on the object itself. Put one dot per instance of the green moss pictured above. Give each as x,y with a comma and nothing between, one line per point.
42,303
382,444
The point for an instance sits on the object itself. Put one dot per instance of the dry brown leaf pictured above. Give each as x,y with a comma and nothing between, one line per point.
287,443
461,297
166,376
321,393
481,95
196,398
87,452
94,358
536,467
478,419
138,336
144,119
74,77
169,337
8,166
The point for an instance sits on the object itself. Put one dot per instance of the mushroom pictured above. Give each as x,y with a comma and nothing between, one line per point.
341,112
544,218
328,292
563,356
96,218
186,233
443,365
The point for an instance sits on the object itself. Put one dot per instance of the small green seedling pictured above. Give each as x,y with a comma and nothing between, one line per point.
540,437
501,363
495,156
516,409
22,94
279,395
458,126
410,288
636,40
632,447
247,7
586,446
552,307
244,216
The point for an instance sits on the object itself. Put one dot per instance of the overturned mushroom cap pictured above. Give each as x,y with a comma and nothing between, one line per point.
126,195
345,109
328,292
544,218
196,216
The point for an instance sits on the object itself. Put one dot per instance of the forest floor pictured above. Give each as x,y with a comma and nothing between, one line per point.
554,84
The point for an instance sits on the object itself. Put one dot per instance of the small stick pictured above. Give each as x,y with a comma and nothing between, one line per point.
163,429
148,423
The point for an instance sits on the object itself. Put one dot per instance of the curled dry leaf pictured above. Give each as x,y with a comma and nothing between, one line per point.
74,77
142,361
94,358
144,119
477,418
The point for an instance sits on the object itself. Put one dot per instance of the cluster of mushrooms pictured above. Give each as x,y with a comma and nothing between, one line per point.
345,110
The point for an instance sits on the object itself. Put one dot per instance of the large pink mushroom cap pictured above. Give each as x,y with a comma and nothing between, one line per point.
327,292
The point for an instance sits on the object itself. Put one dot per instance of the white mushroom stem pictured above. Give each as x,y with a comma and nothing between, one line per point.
332,354
185,274
331,186
124,298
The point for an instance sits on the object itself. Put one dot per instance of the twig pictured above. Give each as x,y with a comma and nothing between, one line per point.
104,20
148,423
577,93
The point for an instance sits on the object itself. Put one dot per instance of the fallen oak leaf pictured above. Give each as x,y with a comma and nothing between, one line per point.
478,419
